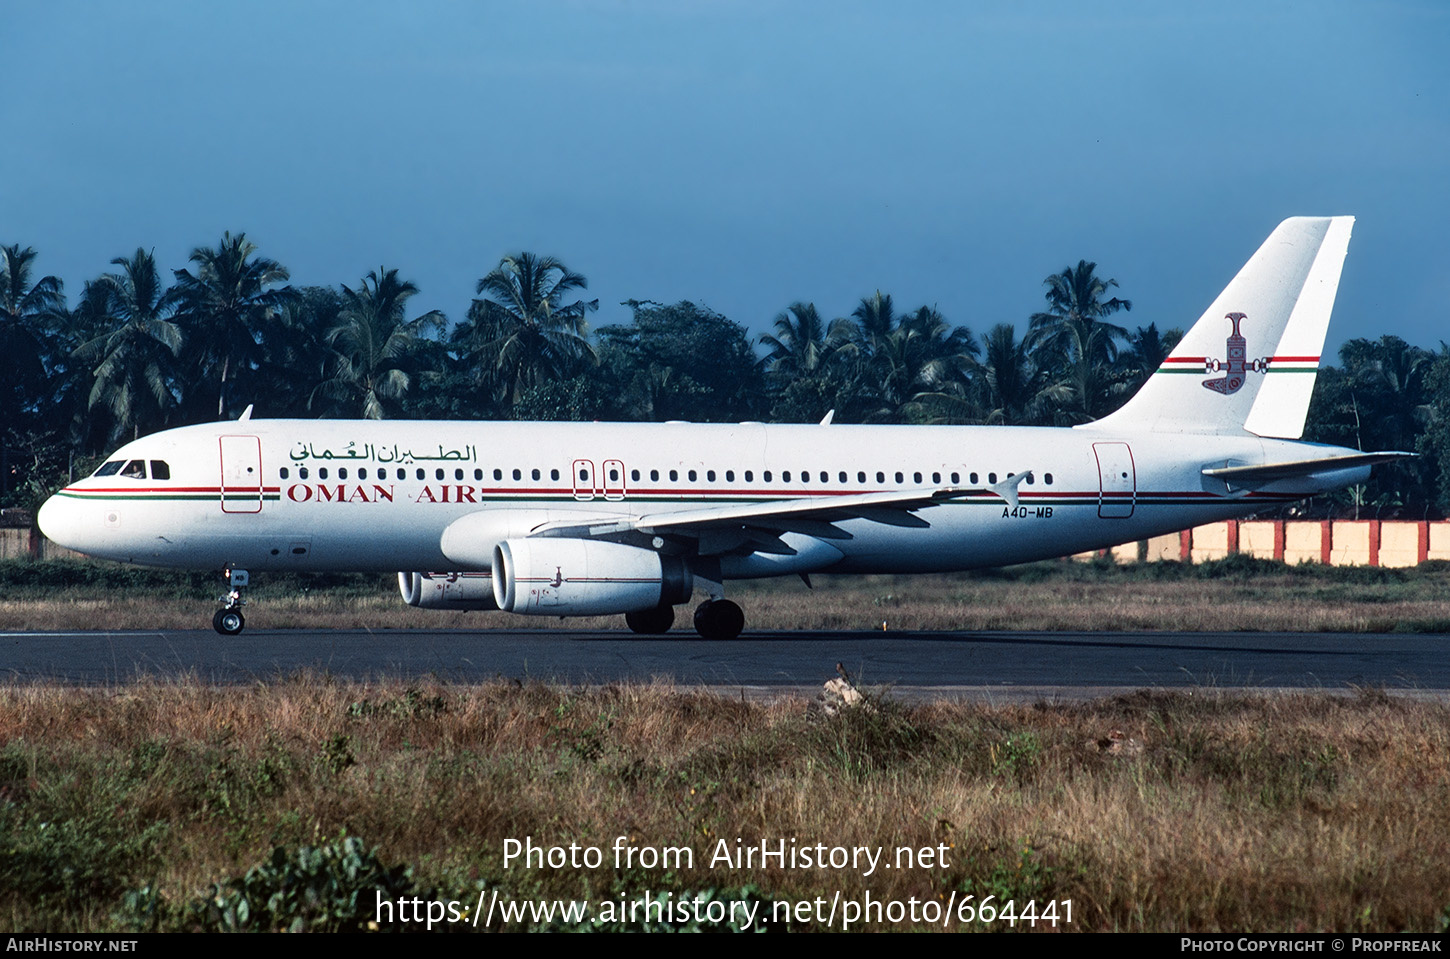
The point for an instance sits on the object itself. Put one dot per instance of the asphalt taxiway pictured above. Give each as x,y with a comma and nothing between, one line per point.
1007,664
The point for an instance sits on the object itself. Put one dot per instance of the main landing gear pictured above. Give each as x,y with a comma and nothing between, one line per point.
651,622
714,619
719,619
229,620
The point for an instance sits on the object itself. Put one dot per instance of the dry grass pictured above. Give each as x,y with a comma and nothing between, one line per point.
1245,595
1251,814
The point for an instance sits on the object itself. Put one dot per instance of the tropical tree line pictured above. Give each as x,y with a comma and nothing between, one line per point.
140,351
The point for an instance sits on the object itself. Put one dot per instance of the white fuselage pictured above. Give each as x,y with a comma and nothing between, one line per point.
314,495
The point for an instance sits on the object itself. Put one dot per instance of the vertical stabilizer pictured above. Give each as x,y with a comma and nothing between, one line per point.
1248,364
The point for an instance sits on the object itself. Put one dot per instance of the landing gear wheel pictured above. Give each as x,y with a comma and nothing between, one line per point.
719,619
228,622
651,622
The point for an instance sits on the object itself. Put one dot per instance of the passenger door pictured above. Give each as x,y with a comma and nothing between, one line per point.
241,462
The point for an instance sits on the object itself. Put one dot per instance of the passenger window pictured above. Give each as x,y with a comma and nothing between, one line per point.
421,474
767,476
843,477
654,476
826,477
936,477
991,477
111,468
750,476
691,474
498,474
477,475
634,476
785,476
362,472
613,475
458,475
956,478
301,472
136,469
1047,478
285,473
161,471
536,474
438,473
900,478
402,473
1029,479
674,476
973,478
880,477
554,475
342,472
729,476
916,477
710,476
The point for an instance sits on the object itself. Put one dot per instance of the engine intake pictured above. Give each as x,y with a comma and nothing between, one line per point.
579,577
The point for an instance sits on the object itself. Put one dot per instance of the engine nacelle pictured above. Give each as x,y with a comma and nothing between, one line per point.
447,590
579,577
469,540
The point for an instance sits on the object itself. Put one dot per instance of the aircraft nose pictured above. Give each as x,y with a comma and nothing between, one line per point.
59,521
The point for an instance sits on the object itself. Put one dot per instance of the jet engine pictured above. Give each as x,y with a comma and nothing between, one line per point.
447,590
545,576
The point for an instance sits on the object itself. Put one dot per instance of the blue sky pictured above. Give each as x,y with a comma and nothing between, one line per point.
744,155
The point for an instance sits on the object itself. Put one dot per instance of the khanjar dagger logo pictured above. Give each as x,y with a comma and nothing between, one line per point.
1236,365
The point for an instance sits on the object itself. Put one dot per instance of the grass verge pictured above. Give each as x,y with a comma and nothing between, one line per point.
299,803
1238,594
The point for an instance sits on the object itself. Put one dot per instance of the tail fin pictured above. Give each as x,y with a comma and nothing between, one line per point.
1248,364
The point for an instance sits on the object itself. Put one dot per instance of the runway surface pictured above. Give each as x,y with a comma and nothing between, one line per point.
1009,662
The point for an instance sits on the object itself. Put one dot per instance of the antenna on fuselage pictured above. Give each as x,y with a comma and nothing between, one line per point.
246,414
826,420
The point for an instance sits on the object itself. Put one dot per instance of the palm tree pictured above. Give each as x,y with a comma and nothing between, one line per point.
23,304
1147,349
27,316
1015,389
521,332
376,347
803,344
1074,330
875,317
924,356
228,313
133,361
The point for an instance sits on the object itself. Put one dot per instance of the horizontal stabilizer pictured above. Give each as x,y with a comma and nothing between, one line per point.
1279,471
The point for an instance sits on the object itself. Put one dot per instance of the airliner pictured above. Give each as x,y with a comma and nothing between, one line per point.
586,519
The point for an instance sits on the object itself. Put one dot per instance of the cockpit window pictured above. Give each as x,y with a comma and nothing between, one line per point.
160,470
110,469
135,469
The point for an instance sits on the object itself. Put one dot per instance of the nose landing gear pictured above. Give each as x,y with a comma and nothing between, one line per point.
229,620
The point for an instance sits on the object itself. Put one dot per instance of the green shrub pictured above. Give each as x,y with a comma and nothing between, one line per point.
331,888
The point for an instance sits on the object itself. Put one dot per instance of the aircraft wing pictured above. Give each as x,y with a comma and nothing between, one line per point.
1299,468
811,515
